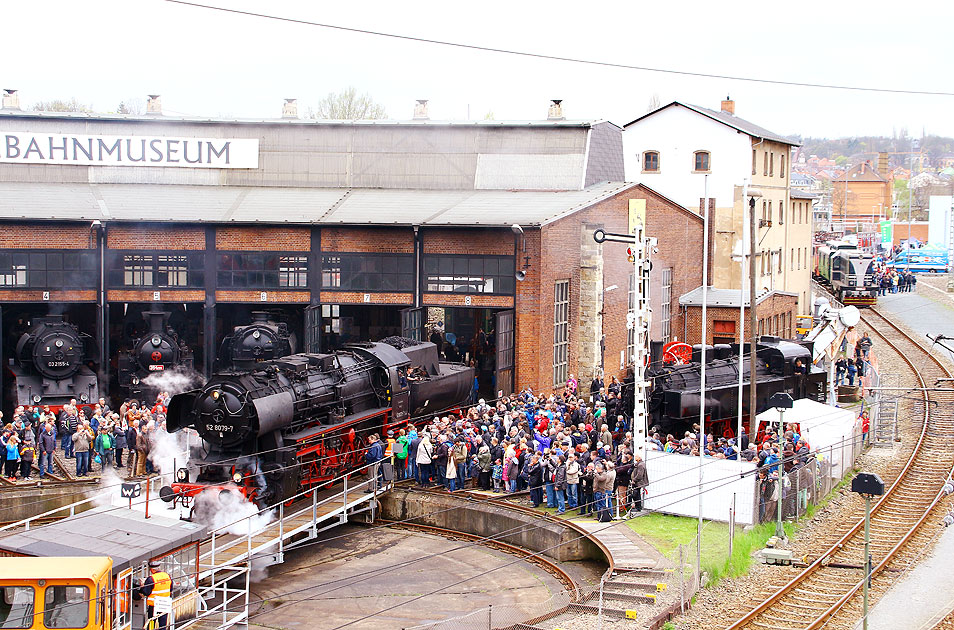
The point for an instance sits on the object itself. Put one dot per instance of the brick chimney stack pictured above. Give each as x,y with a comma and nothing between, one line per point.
11,99
420,109
290,108
154,105
728,106
556,110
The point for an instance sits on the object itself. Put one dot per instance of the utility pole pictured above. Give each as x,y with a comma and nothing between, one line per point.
753,316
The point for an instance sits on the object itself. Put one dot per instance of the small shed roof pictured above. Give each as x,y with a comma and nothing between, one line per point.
727,298
126,536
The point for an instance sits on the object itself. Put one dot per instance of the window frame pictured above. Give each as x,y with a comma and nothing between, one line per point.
52,269
708,161
665,309
257,270
153,263
28,614
561,331
462,274
646,154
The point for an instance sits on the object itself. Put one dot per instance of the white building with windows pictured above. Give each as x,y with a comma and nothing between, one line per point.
687,152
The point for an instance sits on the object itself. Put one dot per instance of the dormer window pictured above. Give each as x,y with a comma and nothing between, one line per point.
651,162
701,162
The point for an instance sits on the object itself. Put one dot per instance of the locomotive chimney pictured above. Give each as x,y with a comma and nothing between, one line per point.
157,320
259,317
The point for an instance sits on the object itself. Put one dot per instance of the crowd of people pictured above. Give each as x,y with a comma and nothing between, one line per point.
95,436
891,280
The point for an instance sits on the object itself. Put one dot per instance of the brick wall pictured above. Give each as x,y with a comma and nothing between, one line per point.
781,305
279,297
381,240
478,241
476,301
46,236
680,248
357,297
154,236
262,239
29,295
165,295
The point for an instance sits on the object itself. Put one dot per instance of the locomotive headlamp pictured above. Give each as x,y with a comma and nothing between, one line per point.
156,340
36,398
84,397
237,477
135,380
58,343
215,394
256,334
182,475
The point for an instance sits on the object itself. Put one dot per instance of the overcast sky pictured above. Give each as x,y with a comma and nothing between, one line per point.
213,64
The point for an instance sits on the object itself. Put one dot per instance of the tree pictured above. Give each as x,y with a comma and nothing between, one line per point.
653,103
348,105
130,106
59,105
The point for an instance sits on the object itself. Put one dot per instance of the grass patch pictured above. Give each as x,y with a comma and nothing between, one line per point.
667,532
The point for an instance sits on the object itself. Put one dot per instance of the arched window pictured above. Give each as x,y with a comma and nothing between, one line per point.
651,162
701,163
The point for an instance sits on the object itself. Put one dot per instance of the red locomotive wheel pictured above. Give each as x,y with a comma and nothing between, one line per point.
677,352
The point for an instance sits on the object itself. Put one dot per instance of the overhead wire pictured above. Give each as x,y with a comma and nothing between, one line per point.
549,57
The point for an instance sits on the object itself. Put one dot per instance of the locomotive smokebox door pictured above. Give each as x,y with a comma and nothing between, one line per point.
867,483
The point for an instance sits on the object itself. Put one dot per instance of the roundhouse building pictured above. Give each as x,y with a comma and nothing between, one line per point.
476,234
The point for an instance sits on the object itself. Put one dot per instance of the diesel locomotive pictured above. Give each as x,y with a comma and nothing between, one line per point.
675,400
293,423
849,272
159,350
50,365
261,340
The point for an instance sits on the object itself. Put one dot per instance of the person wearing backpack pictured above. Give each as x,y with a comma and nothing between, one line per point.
27,454
104,447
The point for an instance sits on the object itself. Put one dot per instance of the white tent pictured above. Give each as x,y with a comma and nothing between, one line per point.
832,432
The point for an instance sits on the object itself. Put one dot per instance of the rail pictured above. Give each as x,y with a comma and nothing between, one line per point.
825,557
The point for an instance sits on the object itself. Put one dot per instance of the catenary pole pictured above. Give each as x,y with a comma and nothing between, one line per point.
702,363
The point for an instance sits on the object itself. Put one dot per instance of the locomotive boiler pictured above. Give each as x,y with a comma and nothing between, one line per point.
674,403
261,340
159,350
50,364
299,421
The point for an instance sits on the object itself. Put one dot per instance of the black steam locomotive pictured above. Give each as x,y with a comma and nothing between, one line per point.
299,421
157,351
50,367
674,401
261,340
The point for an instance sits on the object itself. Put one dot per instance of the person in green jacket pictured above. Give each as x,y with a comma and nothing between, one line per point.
400,455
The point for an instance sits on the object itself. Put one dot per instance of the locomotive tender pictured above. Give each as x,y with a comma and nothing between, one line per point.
674,402
261,340
50,367
159,350
297,422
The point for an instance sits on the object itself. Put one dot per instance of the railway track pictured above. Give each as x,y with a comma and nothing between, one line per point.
825,591
568,582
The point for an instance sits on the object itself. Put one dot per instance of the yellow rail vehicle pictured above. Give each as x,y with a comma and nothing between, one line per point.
57,593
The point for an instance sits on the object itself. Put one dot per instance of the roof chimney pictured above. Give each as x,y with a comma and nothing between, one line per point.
11,99
154,104
556,110
290,108
728,106
420,109
884,164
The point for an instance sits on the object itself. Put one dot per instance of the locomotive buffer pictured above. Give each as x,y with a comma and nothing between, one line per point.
637,320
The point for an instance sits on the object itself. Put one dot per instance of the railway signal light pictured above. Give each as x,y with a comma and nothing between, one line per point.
630,254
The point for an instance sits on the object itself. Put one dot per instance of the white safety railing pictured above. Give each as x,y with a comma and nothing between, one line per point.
67,511
222,603
224,544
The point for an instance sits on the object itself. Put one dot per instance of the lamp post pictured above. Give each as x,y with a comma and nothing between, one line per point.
780,401
753,315
868,485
